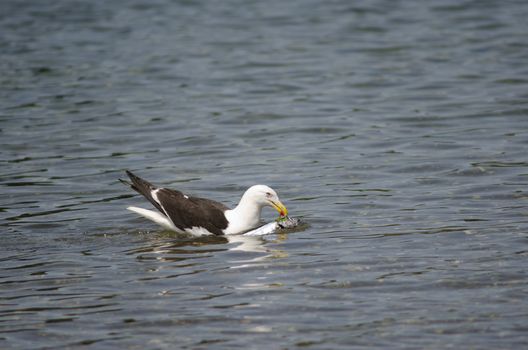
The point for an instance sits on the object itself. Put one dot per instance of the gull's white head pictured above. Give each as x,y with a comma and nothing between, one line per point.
265,196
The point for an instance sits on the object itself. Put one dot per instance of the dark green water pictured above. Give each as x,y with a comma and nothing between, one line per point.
398,130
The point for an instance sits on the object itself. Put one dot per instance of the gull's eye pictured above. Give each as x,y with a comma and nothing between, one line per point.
268,194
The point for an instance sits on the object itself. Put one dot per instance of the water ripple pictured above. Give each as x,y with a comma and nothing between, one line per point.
396,130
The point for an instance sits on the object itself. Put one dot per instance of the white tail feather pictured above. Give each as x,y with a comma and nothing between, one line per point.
158,218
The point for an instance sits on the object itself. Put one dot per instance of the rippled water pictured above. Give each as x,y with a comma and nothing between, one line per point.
398,130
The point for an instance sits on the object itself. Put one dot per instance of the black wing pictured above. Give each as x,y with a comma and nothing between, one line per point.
187,212
184,211
144,188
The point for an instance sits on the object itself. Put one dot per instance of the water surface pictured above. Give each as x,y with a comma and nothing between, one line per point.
397,130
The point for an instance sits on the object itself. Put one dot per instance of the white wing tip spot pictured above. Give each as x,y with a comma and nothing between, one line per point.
185,196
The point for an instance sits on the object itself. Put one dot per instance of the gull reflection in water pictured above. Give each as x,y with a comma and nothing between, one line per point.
186,250
256,244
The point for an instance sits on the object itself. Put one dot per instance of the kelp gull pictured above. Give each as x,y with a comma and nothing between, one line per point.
199,216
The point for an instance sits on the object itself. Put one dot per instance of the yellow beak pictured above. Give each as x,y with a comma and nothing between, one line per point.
279,207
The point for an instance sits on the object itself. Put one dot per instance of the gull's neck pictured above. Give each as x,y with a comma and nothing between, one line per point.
245,216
